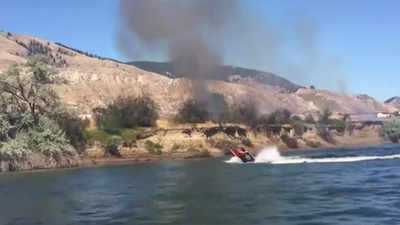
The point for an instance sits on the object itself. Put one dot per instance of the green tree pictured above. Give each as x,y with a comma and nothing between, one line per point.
28,89
193,111
128,112
325,116
309,119
391,130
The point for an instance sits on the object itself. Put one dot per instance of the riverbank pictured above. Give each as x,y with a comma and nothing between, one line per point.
83,162
185,143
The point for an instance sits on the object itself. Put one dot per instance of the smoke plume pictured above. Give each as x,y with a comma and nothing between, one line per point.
198,35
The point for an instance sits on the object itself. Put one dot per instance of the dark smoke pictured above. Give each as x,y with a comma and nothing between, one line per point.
189,29
198,35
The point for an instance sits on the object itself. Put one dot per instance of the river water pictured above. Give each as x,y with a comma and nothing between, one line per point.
345,186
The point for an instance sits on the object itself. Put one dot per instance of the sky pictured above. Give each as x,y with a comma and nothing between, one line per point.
357,42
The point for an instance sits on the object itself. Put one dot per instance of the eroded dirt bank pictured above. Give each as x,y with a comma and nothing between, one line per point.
208,140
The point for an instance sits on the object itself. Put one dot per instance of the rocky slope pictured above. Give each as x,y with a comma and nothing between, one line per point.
395,101
93,81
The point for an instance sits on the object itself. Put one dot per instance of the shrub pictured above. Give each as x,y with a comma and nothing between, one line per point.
128,136
193,111
280,116
17,147
246,113
48,138
175,147
73,127
153,148
309,119
339,125
97,135
4,127
324,133
391,130
324,116
113,142
290,142
193,150
299,128
128,112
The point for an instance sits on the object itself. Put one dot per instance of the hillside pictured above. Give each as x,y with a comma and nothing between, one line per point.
224,73
394,101
93,81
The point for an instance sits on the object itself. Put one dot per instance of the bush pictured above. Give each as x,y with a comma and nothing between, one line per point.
339,125
128,112
128,136
175,147
153,148
324,116
17,147
73,127
280,116
97,135
324,133
391,130
246,113
193,150
48,138
113,142
193,111
309,119
4,127
290,142
299,128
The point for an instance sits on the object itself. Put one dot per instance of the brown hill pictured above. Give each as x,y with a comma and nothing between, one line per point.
394,101
93,81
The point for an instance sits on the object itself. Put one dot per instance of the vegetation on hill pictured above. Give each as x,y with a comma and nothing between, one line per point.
391,130
119,122
27,108
85,53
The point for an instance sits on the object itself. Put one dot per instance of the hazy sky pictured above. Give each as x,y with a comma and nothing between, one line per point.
356,43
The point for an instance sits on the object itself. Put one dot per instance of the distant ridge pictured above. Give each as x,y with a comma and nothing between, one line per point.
394,101
223,73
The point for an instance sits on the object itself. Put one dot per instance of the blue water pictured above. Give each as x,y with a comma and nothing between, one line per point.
211,192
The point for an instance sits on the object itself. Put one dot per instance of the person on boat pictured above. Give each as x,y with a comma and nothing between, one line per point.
244,155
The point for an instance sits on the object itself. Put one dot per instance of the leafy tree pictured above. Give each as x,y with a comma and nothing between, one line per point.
193,111
325,116
4,127
246,113
309,119
72,125
391,130
128,112
280,116
28,90
45,137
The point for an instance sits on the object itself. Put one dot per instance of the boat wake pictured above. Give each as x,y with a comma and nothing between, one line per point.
271,155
